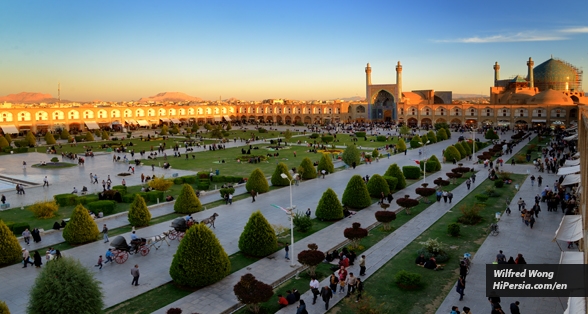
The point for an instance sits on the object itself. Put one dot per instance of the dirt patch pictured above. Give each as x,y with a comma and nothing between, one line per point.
432,307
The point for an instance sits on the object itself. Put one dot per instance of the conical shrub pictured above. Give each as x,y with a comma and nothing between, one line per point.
10,250
432,137
416,141
277,179
105,136
4,308
64,134
30,139
258,237
329,207
326,164
81,228
466,146
441,135
461,150
200,259
394,171
139,215
89,136
433,164
187,202
49,139
307,169
377,185
401,146
3,142
350,155
356,194
451,153
257,182
164,130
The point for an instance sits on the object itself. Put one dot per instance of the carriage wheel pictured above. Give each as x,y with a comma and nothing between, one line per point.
172,235
144,250
181,235
121,257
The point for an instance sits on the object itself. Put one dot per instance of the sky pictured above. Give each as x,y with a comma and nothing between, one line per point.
255,50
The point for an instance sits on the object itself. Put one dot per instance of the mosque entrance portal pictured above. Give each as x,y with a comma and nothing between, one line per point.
384,106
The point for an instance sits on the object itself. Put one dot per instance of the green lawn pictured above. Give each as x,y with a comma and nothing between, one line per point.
436,284
534,145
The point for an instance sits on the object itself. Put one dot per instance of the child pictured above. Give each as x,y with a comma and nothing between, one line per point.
99,262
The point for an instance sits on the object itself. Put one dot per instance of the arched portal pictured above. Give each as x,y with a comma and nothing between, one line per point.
383,101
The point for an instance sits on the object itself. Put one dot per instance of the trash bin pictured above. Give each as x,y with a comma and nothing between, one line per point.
217,172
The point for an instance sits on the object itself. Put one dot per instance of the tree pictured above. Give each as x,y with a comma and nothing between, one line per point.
3,142
375,153
105,135
491,135
65,286
404,130
229,126
308,171
258,237
277,179
394,171
10,251
355,234
164,130
416,141
326,164
30,139
385,217
407,203
441,135
424,139
4,308
81,228
377,185
195,127
329,207
433,164
89,137
200,259
431,136
217,132
351,155
175,129
466,146
462,152
49,139
448,132
161,184
252,292
311,258
64,134
257,182
425,192
139,215
287,135
451,153
187,202
327,139
356,194
401,145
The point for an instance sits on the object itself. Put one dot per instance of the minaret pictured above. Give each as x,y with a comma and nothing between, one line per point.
496,73
368,82
530,77
399,82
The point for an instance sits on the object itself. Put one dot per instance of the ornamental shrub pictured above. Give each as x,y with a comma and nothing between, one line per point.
49,139
314,135
105,136
453,229
252,292
10,250
441,135
164,130
394,171
461,150
425,192
451,153
350,155
432,137
356,194
407,280
89,137
411,172
200,259
302,222
424,139
415,141
401,145
65,286
311,258
327,139
392,182
491,135
360,134
44,210
326,164
498,183
4,308
81,227
377,185
106,207
257,182
447,131
307,169
8,138
277,179
30,139
467,147
258,237
64,135
375,153
161,184
407,203
329,207
3,142
187,202
380,138
385,217
139,214
433,164
355,234
225,191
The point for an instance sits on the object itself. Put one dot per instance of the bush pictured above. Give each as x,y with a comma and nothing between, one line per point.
252,292
139,214
375,153
329,207
314,135
54,159
461,150
311,258
65,199
432,137
120,188
411,172
161,184
470,215
441,135
9,246
307,170
434,248
187,202
89,137
394,171
49,139
392,182
401,145
200,259
416,141
3,142
326,164
327,139
491,135
4,308
355,234
277,179
482,198
377,185
467,148
451,153
380,138
164,130
72,287
385,217
154,196
8,138
106,207
225,191
453,229
257,182
302,222
360,134
178,180
351,155
262,130
81,227
44,210
433,164
407,280
30,139
190,179
258,237
407,203
356,194
19,227
498,183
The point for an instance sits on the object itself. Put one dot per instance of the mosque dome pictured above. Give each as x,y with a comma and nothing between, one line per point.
550,97
516,97
558,75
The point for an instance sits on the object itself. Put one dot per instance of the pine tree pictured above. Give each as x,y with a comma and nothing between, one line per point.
394,171
329,207
257,182
30,139
65,286
401,146
49,139
308,171
229,126
164,130
64,134
287,135
350,155
139,215
89,137
105,135
187,202
491,135
377,185
258,237
277,179
200,259
10,251
356,194
81,228
175,129
3,142
326,164
4,308
435,164
441,135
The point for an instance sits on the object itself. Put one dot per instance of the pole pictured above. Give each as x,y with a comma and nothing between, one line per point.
474,145
291,227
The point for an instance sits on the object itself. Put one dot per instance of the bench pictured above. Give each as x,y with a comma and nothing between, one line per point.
175,175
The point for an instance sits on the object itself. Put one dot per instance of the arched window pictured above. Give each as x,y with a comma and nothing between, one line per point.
413,111
151,113
88,114
127,113
504,112
539,113
427,112
101,114
472,112
57,115
442,111
488,112
139,113
115,114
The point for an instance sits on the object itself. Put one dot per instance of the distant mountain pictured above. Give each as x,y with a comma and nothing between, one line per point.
460,96
170,96
29,98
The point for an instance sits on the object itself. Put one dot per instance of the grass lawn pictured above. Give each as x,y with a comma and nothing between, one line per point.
436,285
534,144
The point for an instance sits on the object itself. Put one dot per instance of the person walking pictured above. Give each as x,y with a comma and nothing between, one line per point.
539,180
308,213
326,294
287,249
449,196
253,194
460,287
3,199
362,266
390,197
103,185
230,198
439,194
105,233
532,221
473,177
26,258
95,179
99,264
26,235
532,180
521,203
514,308
91,178
109,256
301,309
45,182
445,195
351,281
333,281
314,287
36,234
468,183
359,285
135,274
37,259
342,278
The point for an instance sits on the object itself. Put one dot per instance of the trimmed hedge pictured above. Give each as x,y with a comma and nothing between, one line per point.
190,179
257,182
392,182
394,171
360,134
65,199
377,185
178,180
231,179
380,138
451,153
411,172
356,194
19,227
258,237
106,207
154,195
121,188
128,198
329,207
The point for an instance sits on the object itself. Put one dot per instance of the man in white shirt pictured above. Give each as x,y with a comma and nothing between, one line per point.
314,287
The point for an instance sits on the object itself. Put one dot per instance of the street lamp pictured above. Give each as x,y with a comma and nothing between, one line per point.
285,176
474,145
425,165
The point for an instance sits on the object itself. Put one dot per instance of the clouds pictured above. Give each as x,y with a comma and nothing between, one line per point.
575,30
526,36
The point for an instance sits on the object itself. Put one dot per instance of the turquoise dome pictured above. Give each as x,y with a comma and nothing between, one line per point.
554,74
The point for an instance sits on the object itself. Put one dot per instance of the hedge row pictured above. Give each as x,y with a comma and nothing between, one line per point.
72,199
106,207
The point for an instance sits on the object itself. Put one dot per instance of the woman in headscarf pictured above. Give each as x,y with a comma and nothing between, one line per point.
511,261
37,259
301,308
36,235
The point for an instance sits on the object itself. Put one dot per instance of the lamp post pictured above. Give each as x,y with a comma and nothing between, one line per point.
425,165
285,176
474,145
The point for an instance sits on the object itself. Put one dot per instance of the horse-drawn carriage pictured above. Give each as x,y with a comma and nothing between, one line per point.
122,250
180,226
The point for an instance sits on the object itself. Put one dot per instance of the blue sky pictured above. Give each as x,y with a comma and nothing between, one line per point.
253,50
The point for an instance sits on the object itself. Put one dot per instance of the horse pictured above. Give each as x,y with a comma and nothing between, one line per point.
210,220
